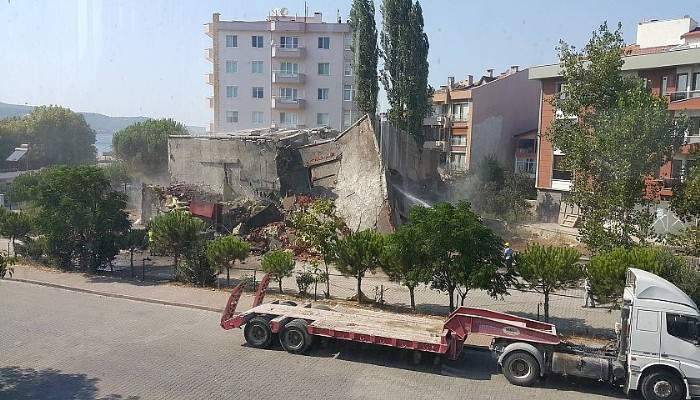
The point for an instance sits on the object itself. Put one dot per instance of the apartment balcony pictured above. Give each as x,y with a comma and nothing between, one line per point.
288,78
209,29
209,54
211,102
286,103
210,79
691,139
287,52
435,120
680,96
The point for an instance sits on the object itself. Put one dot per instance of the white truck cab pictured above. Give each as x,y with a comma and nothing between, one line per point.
659,338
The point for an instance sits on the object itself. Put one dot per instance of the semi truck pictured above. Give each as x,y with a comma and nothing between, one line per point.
656,351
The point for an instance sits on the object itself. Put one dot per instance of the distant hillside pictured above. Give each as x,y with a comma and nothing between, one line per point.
102,124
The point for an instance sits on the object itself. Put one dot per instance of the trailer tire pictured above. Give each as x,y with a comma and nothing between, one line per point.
257,333
662,385
521,368
295,337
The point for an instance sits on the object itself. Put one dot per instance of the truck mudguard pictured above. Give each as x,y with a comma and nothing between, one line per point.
526,347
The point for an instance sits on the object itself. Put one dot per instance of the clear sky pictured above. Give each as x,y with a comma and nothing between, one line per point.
146,57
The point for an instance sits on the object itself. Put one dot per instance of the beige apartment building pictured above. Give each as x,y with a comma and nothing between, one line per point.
284,71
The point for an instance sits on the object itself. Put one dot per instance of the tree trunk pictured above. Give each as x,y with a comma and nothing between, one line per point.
131,262
413,298
451,292
359,289
228,275
14,253
546,306
175,259
463,296
328,280
279,281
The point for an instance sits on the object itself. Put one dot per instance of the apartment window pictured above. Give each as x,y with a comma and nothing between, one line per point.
257,67
258,117
289,68
460,111
322,119
257,92
347,41
324,42
232,117
231,66
231,41
525,165
289,42
696,82
458,140
558,170
664,85
681,87
324,68
458,161
288,119
561,90
347,119
347,92
676,169
231,91
323,93
347,68
290,94
257,42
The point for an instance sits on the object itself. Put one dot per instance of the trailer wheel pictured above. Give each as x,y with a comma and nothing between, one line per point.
662,385
521,368
257,333
295,337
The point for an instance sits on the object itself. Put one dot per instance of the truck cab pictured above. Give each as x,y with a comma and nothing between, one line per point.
658,339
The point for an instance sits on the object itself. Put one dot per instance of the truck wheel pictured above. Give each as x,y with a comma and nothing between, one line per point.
662,385
521,368
295,337
257,333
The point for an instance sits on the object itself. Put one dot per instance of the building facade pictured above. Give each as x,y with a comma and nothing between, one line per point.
475,119
285,71
667,56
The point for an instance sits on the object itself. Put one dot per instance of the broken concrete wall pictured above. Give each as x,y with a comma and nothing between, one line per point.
349,169
401,153
231,167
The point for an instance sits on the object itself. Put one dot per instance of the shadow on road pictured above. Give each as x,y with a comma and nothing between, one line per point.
28,383
577,326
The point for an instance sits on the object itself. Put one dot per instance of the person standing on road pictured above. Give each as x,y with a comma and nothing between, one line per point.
588,297
508,254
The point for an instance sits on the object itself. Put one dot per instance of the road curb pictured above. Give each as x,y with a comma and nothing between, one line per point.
118,296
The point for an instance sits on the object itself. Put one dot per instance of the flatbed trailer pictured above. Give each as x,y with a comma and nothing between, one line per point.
657,351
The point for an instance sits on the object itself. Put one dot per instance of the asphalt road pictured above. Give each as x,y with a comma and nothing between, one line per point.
57,344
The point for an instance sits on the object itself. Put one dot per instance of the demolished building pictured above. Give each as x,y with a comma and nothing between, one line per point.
268,165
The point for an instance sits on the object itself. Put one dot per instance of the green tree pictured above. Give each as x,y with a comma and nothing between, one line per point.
405,73
547,269
365,55
223,252
144,145
607,269
77,212
195,267
278,263
405,261
357,253
319,227
55,135
6,263
622,135
462,251
134,240
685,203
15,226
176,233
118,174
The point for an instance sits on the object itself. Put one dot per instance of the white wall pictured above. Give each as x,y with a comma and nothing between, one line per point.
663,33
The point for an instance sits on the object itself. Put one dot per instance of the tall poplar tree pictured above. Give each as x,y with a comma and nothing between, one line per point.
405,74
365,55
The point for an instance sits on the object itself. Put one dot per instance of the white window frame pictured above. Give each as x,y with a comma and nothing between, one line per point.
258,90
289,68
324,42
289,42
231,41
347,92
256,114
231,92
259,65
323,119
347,41
231,66
347,119
328,69
289,118
347,68
289,94
232,117
323,94
257,41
